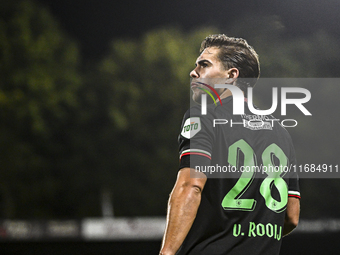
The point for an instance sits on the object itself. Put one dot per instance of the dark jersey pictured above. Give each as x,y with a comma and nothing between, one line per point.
247,159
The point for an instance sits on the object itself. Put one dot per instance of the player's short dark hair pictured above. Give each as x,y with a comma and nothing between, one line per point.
237,53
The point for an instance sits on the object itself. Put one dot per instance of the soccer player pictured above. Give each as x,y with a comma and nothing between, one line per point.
236,211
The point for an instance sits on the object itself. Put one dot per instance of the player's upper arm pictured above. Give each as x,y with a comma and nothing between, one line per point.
189,178
293,211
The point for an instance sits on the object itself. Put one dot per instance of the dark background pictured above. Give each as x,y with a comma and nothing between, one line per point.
92,95
95,23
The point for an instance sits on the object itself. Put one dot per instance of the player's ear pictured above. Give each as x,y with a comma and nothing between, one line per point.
233,72
232,75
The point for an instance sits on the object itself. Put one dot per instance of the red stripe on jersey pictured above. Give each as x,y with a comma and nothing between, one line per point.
196,153
289,195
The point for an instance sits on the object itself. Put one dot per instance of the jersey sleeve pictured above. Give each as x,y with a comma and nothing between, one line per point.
195,139
293,186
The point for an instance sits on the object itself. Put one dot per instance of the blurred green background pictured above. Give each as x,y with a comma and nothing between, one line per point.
80,132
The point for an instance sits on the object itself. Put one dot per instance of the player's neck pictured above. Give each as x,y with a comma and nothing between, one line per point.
226,93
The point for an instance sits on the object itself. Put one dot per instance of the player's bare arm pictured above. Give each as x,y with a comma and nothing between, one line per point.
292,215
183,203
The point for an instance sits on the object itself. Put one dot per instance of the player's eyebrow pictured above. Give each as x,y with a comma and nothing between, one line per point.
203,61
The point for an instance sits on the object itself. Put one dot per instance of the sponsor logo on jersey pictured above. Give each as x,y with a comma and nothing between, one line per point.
256,122
191,127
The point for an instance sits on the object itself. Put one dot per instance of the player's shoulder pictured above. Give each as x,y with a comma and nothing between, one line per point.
194,121
196,111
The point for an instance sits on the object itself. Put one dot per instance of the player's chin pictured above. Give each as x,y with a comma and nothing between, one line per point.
196,96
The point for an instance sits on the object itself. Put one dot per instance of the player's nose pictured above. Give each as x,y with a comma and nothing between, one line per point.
194,74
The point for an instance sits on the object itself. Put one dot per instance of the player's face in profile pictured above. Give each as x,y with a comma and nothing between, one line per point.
209,70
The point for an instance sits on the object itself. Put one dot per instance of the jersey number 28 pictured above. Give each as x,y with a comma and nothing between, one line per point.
233,201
